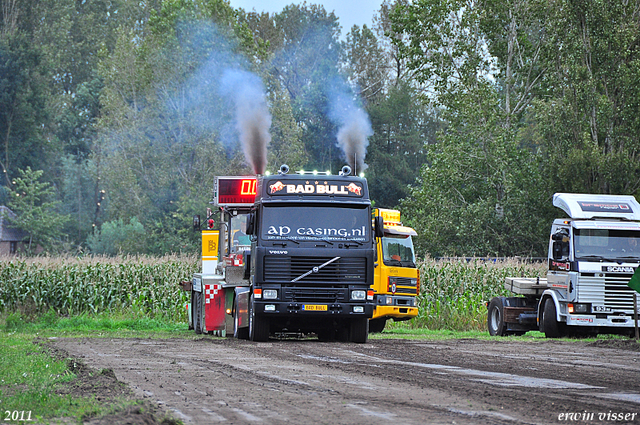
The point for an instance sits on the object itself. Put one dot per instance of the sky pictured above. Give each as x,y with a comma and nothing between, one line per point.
349,12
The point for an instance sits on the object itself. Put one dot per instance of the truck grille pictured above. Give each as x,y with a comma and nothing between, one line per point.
316,295
612,291
405,285
285,269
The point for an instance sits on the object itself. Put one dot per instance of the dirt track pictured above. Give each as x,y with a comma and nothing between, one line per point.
217,380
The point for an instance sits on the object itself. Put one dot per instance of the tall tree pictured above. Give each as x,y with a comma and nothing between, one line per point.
588,120
35,207
480,62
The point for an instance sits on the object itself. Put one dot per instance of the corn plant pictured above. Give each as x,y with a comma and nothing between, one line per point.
453,293
142,286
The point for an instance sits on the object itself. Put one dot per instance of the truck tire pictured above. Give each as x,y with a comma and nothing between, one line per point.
258,329
359,330
376,326
495,318
238,332
197,312
550,325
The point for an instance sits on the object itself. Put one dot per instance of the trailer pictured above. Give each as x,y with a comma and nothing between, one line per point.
591,257
294,255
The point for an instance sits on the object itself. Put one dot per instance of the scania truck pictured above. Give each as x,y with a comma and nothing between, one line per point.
592,255
306,265
396,282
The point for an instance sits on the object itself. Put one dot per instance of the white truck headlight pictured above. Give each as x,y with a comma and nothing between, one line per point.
270,294
358,295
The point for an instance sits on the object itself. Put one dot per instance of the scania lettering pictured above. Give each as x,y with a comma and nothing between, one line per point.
308,265
591,258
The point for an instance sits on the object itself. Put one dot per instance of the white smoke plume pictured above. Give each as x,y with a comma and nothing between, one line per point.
354,127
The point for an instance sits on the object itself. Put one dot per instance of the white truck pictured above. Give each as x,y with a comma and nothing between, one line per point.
592,256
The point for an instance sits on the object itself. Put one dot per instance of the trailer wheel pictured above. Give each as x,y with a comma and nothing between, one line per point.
376,326
550,326
495,318
238,332
258,329
359,330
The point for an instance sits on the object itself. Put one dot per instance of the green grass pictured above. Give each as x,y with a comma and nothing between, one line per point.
29,380
29,376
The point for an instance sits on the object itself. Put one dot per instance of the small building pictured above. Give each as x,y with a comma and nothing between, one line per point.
11,239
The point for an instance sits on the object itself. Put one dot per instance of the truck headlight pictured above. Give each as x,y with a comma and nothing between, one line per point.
270,294
358,295
578,308
358,309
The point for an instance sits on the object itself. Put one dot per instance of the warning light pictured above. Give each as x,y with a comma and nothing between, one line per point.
210,223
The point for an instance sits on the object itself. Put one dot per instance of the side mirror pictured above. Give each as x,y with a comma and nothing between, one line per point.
251,223
561,235
378,226
560,250
196,223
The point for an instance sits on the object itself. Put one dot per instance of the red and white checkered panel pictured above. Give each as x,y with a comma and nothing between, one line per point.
210,292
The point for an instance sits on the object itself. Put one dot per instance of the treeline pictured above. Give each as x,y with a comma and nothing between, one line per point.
113,122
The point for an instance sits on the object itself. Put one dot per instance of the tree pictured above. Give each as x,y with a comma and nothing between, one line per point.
588,121
480,62
36,212
402,129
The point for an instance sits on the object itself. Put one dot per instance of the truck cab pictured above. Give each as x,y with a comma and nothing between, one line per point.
592,256
396,281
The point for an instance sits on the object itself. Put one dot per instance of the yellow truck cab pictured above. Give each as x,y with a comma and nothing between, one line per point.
396,281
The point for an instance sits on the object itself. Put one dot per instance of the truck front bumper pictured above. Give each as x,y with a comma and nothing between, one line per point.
621,321
396,313
291,309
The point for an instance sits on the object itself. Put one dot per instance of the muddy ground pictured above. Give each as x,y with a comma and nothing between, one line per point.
462,381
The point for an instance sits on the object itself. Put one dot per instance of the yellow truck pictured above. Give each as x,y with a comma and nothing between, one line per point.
396,282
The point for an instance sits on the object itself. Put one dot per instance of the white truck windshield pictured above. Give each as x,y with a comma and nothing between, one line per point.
606,244
309,223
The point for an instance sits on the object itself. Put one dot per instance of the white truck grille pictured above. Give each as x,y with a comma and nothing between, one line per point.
610,291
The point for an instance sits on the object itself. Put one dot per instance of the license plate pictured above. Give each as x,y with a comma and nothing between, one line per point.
314,307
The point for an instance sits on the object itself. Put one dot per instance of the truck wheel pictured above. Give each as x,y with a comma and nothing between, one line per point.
550,326
359,330
376,326
197,312
238,332
495,318
258,329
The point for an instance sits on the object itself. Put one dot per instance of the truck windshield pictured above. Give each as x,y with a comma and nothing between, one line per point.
606,244
398,251
313,223
239,240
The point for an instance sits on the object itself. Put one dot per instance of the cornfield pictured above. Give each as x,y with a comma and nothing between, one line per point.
453,293
140,286
452,296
